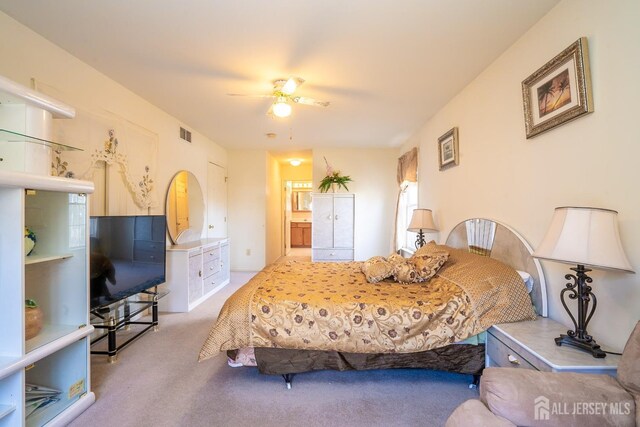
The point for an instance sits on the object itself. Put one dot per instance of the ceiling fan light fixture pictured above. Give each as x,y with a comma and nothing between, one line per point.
295,162
281,107
290,86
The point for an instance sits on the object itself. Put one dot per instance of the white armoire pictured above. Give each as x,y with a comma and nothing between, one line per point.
333,220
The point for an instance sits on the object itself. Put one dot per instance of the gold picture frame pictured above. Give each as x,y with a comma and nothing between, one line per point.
448,149
559,91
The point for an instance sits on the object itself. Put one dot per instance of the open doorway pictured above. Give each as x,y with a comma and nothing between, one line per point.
298,204
296,177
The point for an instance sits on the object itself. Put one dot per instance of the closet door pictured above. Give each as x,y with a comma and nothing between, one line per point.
216,201
343,221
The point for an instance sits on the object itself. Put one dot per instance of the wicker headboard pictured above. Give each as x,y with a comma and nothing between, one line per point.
491,238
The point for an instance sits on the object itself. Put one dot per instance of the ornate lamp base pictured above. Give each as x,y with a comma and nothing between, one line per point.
581,291
588,346
420,240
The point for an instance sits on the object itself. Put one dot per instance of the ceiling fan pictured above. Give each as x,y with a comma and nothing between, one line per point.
283,92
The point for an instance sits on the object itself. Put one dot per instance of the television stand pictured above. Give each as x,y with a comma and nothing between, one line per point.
118,316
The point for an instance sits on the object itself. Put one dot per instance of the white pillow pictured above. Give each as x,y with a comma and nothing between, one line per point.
528,280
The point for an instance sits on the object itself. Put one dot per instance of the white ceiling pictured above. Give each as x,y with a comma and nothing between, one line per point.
385,66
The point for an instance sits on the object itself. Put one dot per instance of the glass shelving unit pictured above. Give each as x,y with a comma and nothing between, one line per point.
8,137
24,153
64,371
55,275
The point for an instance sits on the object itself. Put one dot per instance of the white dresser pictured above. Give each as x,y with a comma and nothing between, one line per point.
195,271
333,221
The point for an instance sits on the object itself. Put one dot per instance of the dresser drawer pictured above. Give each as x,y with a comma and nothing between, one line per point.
535,341
333,254
503,356
211,282
211,267
211,253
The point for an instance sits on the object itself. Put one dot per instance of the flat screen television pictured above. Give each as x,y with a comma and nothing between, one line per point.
127,256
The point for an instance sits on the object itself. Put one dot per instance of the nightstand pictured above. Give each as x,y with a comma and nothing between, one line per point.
531,345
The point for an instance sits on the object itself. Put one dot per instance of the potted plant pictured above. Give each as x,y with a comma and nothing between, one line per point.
333,179
32,319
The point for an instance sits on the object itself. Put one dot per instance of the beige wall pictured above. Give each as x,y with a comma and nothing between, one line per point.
591,161
304,172
275,214
374,184
27,55
247,209
255,201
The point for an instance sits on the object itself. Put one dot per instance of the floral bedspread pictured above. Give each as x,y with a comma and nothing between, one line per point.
331,306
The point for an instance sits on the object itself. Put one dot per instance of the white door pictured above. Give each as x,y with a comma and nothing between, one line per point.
216,201
343,221
322,215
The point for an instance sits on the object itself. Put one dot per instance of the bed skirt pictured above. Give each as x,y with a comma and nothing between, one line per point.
460,358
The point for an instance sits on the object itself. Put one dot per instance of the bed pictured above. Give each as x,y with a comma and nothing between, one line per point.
297,317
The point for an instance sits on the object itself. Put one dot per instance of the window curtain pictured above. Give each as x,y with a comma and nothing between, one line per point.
407,172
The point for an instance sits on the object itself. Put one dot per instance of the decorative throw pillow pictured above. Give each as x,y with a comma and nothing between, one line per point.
427,266
431,248
395,259
376,269
375,259
405,272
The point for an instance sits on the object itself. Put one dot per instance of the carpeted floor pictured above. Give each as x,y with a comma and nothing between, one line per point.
157,381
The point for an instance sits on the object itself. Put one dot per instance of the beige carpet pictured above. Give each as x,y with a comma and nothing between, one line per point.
296,254
299,252
157,381
293,258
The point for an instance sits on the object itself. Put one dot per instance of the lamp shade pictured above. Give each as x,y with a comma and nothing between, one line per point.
584,236
422,219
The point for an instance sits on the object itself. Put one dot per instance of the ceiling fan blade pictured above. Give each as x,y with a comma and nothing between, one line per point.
310,101
291,85
250,95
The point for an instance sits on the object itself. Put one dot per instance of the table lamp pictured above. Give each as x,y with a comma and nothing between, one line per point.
421,221
585,237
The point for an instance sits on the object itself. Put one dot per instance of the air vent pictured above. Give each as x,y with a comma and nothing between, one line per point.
185,134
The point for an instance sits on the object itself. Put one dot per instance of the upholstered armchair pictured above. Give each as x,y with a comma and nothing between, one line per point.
510,396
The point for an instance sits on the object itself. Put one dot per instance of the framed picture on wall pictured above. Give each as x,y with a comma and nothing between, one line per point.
448,149
558,91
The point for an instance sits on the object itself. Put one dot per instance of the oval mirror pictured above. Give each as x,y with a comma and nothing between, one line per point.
184,208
